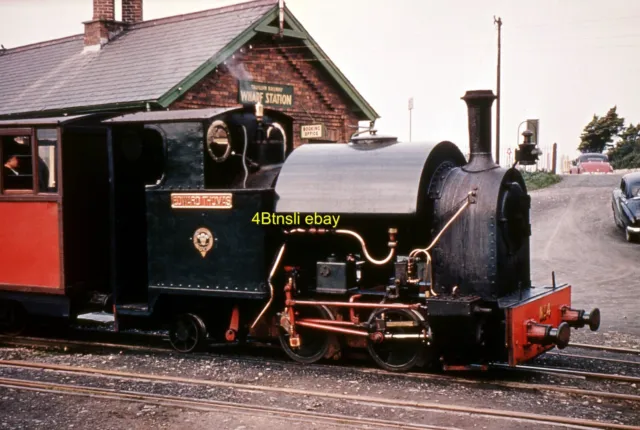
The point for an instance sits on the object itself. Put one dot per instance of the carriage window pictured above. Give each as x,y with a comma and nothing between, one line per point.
46,163
17,169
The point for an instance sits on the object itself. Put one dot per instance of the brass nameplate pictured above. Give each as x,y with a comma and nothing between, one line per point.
201,201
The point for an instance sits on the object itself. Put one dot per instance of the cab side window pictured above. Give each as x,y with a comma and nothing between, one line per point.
17,171
623,188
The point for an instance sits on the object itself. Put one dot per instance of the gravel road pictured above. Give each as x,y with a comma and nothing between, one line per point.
573,233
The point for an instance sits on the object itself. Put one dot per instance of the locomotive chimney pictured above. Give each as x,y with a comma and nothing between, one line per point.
479,106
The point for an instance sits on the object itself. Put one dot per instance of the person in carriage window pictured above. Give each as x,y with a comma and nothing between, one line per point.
11,166
43,169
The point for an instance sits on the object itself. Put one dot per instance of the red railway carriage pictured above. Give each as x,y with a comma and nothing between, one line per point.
53,204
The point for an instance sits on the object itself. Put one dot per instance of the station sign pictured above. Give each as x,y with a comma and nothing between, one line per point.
313,131
250,92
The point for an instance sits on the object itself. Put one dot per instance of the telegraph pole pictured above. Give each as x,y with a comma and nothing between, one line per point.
499,22
410,109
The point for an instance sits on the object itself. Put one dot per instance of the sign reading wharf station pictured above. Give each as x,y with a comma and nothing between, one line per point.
267,94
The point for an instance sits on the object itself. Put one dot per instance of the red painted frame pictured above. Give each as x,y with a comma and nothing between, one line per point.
520,349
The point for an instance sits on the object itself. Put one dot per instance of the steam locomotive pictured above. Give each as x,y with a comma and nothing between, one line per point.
209,223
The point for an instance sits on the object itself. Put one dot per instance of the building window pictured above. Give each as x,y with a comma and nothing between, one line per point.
17,170
47,159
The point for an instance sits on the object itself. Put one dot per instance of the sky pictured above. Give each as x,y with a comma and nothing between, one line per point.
562,60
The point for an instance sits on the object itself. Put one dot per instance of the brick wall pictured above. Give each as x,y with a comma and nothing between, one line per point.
131,11
104,9
101,31
316,98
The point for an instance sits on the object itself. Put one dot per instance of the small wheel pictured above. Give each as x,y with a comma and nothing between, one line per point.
630,237
314,343
396,355
13,318
187,333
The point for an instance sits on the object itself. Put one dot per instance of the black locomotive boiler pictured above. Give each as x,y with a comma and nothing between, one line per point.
454,284
428,262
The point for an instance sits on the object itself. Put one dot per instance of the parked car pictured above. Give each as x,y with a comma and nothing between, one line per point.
591,163
626,206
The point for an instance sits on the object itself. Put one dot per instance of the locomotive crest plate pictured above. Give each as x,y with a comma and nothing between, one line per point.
203,240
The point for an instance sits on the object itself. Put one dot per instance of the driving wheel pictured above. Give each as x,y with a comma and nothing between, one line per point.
187,333
314,343
396,354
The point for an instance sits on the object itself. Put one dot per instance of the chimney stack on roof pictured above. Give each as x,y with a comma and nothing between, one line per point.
131,11
104,10
104,27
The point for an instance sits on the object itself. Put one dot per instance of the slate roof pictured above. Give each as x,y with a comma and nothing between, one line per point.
53,121
168,115
141,65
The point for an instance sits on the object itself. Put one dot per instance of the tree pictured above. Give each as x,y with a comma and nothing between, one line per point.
599,133
626,153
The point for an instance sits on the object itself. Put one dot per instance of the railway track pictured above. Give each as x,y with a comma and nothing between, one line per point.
63,344
66,343
26,384
565,371
606,348
590,357
204,405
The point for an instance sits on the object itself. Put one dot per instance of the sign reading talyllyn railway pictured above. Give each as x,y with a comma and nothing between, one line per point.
267,94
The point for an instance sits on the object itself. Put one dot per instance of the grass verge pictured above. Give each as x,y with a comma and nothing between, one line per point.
538,180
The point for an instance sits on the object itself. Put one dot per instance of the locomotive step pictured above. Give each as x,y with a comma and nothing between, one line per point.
134,309
99,317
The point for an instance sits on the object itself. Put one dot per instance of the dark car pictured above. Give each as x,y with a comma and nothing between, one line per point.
626,206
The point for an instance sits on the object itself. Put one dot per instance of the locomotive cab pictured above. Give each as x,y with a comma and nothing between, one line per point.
186,185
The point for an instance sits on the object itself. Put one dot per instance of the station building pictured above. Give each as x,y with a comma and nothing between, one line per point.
222,57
